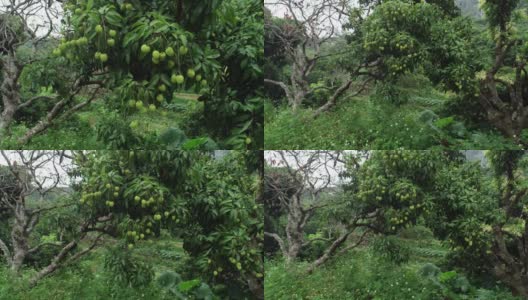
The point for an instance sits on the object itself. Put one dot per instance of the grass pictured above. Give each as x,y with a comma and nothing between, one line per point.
79,132
362,274
89,280
410,121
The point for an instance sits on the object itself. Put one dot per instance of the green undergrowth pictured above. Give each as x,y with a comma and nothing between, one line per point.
364,274
415,118
88,279
80,132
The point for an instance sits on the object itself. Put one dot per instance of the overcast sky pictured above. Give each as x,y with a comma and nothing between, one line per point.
36,14
47,173
273,158
281,10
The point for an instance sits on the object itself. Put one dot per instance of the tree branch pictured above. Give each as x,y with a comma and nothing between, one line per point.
279,240
7,253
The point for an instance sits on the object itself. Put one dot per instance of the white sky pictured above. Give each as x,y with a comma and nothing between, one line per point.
46,174
280,11
37,19
272,157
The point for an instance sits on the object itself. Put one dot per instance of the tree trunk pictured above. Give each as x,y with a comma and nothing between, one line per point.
256,287
20,238
10,92
297,219
510,269
7,253
509,115
518,283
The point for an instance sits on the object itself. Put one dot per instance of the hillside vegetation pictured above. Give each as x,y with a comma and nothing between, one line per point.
397,224
398,74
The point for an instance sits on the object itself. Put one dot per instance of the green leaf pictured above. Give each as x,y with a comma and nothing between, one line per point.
188,285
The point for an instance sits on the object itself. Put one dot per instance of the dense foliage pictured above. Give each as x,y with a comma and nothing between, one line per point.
463,212
129,202
171,75
424,75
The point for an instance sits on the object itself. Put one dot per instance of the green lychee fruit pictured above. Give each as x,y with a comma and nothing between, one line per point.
183,50
160,98
156,54
134,124
104,57
177,79
97,55
157,217
152,107
111,42
145,49
112,33
98,28
170,52
203,82
190,73
139,104
198,77
162,88
78,11
171,64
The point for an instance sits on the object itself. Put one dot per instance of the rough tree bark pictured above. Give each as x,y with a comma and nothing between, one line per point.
508,113
10,91
20,233
510,269
296,221
510,254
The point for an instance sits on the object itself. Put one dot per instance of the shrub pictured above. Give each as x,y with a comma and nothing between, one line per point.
391,249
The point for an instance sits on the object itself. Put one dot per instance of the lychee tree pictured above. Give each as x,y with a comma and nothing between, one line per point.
385,191
382,192
210,203
149,52
481,209
393,182
224,229
477,207
408,36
